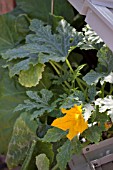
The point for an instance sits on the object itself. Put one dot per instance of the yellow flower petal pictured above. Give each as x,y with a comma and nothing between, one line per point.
63,123
72,121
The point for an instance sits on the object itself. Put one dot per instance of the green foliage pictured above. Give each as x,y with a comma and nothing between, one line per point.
93,134
92,77
41,103
27,164
32,76
91,40
11,94
42,9
103,71
92,93
23,133
42,46
47,58
66,151
75,98
10,36
42,162
37,148
54,135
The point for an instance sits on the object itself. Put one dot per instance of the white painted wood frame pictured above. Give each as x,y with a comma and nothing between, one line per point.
99,15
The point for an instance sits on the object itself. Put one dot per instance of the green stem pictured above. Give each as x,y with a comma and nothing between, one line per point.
102,90
58,65
77,79
111,89
69,65
53,65
55,167
83,82
79,83
58,72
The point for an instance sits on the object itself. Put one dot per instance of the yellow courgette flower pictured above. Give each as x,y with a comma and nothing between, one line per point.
72,121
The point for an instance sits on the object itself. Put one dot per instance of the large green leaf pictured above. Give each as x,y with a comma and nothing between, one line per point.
105,60
92,77
45,45
64,155
66,151
75,98
11,94
24,132
54,135
39,103
41,8
103,71
10,35
93,134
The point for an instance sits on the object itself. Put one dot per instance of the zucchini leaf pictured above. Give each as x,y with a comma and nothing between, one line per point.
11,94
43,45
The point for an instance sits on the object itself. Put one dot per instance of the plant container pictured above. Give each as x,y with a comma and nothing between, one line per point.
94,157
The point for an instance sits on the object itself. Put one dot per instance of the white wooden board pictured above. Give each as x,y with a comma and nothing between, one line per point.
106,3
99,16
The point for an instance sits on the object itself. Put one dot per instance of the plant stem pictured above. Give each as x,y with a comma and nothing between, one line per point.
52,7
55,167
82,81
111,89
77,79
102,90
53,65
79,83
58,72
58,65
69,65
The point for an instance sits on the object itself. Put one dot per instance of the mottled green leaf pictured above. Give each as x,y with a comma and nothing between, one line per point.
105,59
92,77
69,101
32,76
92,92
66,151
42,162
22,65
93,134
11,94
24,132
64,155
39,104
44,45
27,165
54,135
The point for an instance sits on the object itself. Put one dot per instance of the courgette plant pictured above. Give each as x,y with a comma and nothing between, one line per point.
56,104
